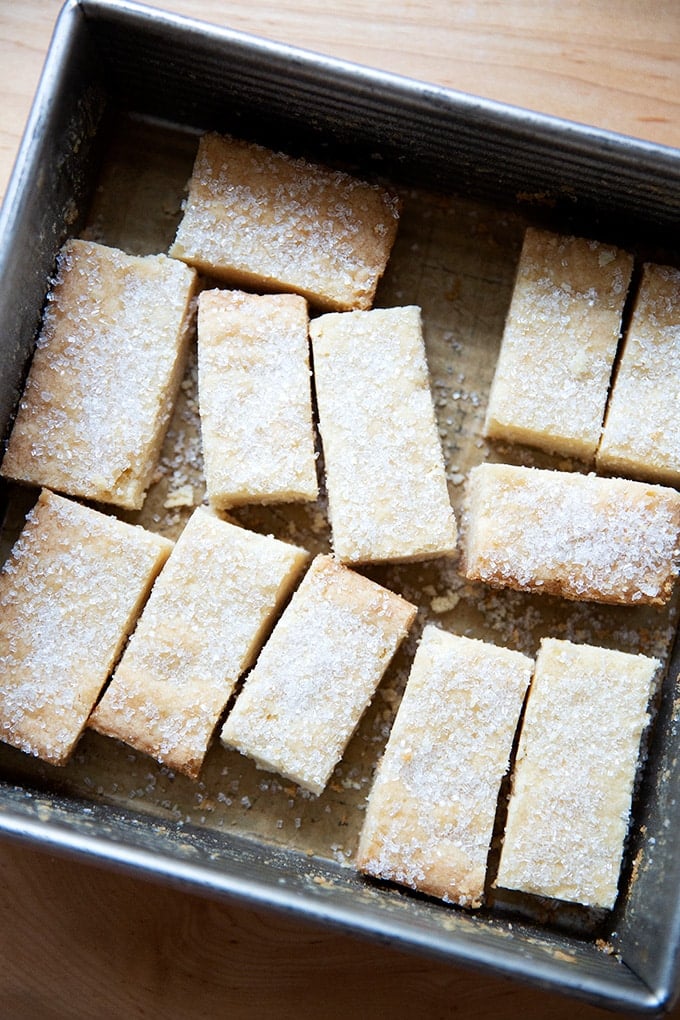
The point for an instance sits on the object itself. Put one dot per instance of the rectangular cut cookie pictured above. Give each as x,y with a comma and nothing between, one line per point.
431,810
642,428
70,592
387,492
559,343
317,674
578,536
255,398
105,373
266,221
201,628
573,780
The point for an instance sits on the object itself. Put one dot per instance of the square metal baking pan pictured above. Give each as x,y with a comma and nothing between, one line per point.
111,59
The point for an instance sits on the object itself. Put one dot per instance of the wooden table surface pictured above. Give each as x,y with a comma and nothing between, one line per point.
80,942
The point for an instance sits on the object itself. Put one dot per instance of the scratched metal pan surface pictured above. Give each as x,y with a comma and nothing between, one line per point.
106,154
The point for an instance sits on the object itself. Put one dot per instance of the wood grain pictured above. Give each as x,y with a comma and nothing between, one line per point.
78,942
610,63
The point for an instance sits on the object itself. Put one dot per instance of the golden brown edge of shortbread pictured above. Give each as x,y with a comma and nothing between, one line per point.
516,435
402,611
187,761
436,880
613,465
238,278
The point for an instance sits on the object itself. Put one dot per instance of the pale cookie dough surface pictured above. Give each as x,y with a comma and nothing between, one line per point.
576,763
268,221
578,536
559,343
385,474
255,398
642,430
317,674
69,595
105,373
431,810
456,259
201,628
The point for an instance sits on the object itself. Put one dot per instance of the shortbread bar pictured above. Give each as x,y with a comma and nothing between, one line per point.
574,535
559,343
70,592
432,807
642,429
576,764
266,221
255,398
317,674
202,627
387,491
105,372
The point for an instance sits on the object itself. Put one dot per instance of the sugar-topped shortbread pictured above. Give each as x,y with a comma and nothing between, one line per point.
267,221
387,491
105,373
203,625
317,673
578,536
559,343
573,780
431,810
70,592
255,398
642,429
